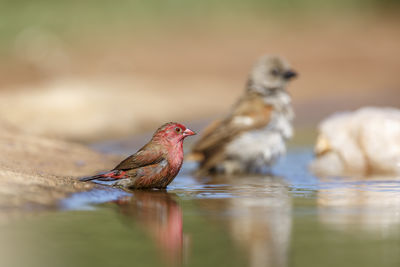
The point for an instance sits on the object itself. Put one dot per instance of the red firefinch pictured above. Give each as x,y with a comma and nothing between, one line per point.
155,165
254,133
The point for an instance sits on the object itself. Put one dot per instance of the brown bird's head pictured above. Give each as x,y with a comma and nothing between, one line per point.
269,75
172,132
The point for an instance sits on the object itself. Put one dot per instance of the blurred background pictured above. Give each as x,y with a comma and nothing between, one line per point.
93,70
101,71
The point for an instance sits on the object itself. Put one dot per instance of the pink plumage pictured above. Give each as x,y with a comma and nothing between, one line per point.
155,165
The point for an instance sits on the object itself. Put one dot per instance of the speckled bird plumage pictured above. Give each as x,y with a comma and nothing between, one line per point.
253,135
155,165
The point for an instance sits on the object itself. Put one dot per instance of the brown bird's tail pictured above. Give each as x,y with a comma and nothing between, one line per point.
107,176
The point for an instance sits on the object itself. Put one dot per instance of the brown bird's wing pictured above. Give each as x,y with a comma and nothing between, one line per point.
249,113
145,156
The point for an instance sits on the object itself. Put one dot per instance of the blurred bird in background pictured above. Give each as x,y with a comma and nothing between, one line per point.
253,135
155,165
363,142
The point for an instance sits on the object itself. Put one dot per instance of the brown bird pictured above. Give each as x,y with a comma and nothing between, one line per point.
253,135
155,165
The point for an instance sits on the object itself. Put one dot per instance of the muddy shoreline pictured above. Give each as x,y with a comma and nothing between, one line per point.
37,172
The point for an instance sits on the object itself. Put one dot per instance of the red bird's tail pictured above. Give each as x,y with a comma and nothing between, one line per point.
107,176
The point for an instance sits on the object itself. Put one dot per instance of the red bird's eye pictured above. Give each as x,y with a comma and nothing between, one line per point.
178,130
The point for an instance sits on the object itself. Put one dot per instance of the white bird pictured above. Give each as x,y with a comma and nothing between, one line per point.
366,142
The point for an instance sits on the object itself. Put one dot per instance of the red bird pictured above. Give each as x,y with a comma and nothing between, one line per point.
155,165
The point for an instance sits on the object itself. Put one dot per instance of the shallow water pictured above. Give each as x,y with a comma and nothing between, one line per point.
288,219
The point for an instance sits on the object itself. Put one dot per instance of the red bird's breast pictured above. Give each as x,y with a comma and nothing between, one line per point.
175,156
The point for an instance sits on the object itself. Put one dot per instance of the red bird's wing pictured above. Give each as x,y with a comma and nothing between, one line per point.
147,159
148,155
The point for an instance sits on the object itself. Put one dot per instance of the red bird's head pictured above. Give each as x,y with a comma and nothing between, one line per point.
172,132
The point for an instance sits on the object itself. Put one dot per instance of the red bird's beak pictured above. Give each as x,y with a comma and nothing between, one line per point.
188,132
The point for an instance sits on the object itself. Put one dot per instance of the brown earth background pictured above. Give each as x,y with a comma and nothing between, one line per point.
90,72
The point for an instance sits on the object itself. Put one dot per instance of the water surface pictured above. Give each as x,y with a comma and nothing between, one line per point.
290,218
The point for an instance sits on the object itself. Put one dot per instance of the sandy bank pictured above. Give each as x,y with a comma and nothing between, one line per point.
36,172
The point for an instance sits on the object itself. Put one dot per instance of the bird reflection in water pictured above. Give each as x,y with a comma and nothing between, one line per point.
368,204
161,217
256,210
